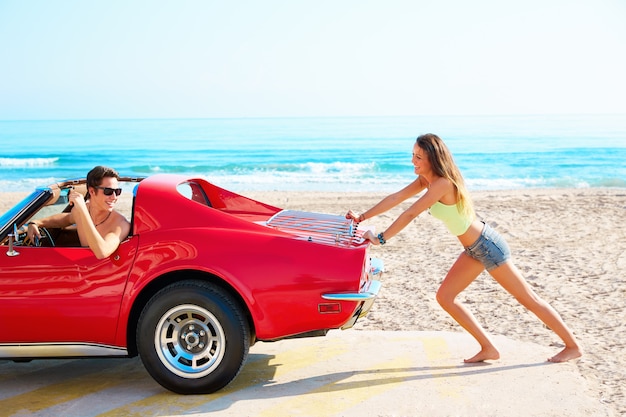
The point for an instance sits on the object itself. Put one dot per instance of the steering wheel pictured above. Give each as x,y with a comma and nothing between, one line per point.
45,240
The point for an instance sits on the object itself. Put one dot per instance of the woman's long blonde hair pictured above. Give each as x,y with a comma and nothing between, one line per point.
443,165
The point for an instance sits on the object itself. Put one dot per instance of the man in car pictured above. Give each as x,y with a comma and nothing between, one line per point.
99,226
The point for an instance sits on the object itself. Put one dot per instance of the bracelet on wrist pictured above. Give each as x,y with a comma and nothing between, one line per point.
381,239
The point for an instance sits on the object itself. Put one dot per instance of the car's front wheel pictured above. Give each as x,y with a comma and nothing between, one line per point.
192,337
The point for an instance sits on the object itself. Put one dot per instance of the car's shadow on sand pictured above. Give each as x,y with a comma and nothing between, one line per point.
124,384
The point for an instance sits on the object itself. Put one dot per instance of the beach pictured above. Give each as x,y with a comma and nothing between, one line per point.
569,243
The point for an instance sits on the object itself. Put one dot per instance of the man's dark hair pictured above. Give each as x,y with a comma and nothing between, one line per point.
97,174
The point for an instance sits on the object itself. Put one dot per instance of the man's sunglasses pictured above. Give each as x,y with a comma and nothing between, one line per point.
110,191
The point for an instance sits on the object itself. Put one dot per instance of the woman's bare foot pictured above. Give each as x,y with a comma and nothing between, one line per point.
486,354
566,354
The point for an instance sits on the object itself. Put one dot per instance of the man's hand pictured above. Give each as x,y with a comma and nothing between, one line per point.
76,198
32,231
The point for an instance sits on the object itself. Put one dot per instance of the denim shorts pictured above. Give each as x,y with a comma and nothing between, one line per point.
490,249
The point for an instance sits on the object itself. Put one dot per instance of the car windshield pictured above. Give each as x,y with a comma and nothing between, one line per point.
8,218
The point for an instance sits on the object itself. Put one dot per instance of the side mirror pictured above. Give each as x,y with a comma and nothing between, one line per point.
11,251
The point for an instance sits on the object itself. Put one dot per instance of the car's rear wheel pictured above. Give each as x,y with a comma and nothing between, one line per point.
193,338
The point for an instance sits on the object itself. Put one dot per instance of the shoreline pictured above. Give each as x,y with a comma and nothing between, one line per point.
569,243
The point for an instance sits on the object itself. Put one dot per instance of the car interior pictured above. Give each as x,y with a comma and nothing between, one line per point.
57,201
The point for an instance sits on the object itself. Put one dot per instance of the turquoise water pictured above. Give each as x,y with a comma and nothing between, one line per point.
320,154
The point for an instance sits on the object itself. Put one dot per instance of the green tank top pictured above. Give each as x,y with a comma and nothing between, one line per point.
457,223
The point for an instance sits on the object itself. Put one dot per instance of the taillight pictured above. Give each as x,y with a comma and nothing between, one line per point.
329,308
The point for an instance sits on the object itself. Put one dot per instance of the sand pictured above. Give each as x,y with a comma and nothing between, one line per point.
569,243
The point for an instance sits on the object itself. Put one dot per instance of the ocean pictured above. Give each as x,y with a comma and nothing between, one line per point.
320,154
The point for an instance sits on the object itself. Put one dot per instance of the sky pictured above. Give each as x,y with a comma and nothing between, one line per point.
101,59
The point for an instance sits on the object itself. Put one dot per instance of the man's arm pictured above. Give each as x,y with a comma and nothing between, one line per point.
103,246
56,221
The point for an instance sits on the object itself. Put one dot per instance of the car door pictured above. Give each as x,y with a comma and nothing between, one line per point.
61,294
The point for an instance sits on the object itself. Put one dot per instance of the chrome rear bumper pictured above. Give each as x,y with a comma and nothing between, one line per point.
370,294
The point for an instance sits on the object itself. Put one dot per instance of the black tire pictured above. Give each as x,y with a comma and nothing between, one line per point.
193,338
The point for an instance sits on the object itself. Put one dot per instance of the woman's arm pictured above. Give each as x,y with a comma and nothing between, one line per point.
390,201
435,192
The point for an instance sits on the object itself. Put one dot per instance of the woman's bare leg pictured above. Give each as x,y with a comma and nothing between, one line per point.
463,272
509,277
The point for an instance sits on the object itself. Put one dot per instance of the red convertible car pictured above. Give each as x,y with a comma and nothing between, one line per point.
203,275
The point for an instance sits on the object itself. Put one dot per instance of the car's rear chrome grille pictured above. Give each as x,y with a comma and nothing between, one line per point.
317,227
